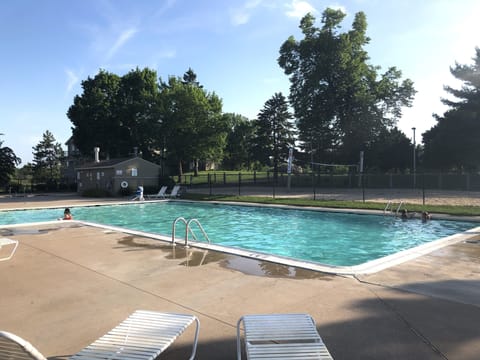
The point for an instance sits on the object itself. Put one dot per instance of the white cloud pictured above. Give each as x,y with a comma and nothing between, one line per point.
124,36
299,8
241,15
72,80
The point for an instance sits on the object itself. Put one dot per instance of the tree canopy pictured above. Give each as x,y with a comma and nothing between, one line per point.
238,150
8,162
341,102
453,143
177,118
47,155
191,121
274,131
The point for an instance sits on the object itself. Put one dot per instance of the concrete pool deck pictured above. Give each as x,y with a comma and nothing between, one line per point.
68,284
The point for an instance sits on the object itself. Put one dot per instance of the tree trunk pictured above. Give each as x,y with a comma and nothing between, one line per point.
195,169
180,171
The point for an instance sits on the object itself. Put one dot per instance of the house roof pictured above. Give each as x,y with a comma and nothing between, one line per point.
110,163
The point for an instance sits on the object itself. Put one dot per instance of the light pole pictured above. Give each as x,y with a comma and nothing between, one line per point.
414,159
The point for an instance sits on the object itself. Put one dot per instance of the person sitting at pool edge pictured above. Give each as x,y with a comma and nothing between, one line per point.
139,194
67,215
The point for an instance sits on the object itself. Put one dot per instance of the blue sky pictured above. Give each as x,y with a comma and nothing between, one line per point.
48,47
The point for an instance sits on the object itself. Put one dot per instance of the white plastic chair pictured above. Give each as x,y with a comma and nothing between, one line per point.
7,242
281,336
160,194
142,336
14,347
174,192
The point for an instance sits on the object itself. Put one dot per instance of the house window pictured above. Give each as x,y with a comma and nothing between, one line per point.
119,172
134,172
78,175
98,175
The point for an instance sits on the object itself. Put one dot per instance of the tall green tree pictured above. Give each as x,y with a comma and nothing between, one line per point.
137,112
192,123
94,116
274,131
340,101
8,162
454,142
47,157
391,151
238,150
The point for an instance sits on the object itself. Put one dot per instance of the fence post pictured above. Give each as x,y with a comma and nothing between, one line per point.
254,177
273,182
423,187
313,185
239,182
224,178
209,184
363,187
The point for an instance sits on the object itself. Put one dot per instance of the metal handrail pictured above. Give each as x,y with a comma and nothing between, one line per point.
399,206
389,204
188,229
174,225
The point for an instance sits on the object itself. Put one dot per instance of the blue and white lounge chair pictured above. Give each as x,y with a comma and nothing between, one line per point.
142,336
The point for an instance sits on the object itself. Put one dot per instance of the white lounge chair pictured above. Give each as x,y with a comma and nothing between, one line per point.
143,335
159,195
174,192
281,336
14,347
4,242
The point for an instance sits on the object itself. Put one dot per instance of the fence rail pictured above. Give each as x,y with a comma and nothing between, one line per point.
435,181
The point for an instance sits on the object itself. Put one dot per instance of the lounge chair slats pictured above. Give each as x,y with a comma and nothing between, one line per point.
13,244
159,195
175,192
143,336
14,347
281,336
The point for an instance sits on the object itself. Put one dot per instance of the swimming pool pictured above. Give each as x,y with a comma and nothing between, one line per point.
338,239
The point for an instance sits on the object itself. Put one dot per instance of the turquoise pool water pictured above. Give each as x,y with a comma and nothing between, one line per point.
341,239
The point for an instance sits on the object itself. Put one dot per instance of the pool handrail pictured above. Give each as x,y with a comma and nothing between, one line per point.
188,229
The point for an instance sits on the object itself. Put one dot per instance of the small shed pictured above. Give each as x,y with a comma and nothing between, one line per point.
116,174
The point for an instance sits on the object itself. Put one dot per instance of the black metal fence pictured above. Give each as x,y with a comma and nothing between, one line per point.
437,181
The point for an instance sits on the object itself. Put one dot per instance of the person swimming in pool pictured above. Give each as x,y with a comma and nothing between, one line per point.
425,216
67,215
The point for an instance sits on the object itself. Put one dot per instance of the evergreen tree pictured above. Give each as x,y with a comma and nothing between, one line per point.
8,162
454,142
47,156
274,132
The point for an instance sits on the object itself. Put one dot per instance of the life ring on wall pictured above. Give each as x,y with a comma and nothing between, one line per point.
124,184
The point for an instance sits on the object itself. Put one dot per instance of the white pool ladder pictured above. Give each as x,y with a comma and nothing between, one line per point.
389,206
188,229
